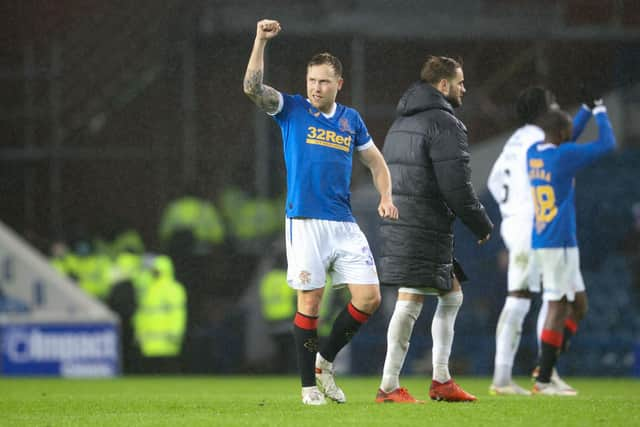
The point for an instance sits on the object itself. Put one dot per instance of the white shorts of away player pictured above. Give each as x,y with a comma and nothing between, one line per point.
561,275
317,247
522,274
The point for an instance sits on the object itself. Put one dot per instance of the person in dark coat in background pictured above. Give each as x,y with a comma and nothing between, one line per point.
427,153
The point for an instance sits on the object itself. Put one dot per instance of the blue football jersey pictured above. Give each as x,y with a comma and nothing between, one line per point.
318,154
552,171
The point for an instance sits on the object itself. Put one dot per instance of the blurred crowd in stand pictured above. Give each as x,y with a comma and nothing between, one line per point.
178,304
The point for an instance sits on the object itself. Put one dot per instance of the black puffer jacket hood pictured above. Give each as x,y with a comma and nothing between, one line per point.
422,97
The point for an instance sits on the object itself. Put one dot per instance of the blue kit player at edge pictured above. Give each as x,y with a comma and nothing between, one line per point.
320,138
552,166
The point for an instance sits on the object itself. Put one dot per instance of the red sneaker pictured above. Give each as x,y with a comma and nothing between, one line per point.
399,395
449,392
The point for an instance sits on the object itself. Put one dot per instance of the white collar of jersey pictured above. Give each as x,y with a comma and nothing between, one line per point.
331,113
546,146
532,127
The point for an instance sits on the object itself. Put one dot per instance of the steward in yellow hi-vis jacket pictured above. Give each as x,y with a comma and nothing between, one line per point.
196,215
278,301
160,320
251,222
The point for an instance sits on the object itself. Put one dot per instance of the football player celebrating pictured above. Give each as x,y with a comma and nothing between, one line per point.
553,164
322,237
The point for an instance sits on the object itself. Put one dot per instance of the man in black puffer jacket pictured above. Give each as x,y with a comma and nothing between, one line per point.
427,153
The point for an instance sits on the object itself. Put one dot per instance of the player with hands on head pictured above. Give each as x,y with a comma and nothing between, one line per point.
552,165
320,137
577,310
427,152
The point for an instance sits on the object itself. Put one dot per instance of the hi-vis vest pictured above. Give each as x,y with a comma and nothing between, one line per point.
251,218
160,320
278,299
94,275
197,215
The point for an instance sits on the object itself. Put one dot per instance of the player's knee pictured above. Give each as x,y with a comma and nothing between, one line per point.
580,311
579,307
368,302
376,300
309,305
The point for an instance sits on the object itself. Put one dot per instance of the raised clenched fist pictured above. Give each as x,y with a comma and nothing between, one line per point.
267,29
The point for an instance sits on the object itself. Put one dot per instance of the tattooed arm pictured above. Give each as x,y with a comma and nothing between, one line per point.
262,95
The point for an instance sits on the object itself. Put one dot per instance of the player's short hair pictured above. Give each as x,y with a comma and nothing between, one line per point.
532,103
555,123
436,68
326,58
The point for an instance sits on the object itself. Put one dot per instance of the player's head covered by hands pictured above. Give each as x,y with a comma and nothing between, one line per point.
533,102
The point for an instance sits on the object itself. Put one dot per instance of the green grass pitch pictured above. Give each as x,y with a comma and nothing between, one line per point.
275,401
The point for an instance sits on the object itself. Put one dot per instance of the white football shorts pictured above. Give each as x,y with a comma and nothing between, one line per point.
317,247
561,274
523,273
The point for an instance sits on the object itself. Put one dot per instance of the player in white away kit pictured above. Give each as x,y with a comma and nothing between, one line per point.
320,137
509,186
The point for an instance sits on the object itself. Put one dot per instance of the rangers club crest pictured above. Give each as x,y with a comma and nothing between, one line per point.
344,125
305,277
